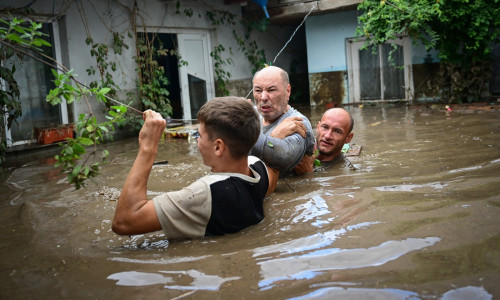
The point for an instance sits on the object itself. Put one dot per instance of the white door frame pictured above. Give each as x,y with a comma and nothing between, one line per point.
352,49
194,69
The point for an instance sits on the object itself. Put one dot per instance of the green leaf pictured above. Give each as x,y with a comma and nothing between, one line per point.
86,141
122,109
104,91
42,42
317,163
76,170
78,149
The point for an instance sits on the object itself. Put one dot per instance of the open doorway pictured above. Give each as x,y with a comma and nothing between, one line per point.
188,69
169,62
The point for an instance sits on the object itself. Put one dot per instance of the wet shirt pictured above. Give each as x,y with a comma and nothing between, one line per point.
284,154
340,160
215,204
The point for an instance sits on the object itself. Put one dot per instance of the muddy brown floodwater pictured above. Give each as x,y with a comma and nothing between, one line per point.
418,219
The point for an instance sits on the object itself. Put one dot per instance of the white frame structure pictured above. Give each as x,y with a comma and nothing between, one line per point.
352,49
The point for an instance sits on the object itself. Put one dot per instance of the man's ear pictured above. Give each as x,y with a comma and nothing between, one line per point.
219,147
349,137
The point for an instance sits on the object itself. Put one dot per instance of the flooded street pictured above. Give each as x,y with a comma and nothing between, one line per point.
418,219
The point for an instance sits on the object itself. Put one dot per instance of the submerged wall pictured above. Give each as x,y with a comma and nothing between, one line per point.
326,56
426,69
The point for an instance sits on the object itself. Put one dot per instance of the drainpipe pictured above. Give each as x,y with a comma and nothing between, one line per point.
262,3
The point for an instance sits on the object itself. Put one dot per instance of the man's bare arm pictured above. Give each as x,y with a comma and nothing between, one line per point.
134,213
273,175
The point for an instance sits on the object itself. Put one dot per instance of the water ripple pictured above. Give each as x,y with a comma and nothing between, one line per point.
200,281
473,168
469,292
310,264
409,187
311,242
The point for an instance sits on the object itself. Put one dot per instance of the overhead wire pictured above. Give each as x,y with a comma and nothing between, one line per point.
289,40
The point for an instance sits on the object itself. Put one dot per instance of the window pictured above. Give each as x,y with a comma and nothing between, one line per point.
35,80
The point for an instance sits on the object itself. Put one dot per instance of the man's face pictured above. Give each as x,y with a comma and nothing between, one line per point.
271,94
332,133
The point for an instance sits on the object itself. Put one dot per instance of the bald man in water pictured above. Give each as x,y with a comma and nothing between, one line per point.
332,132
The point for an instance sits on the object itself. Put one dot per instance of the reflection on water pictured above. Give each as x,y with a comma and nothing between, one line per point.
469,292
312,242
309,264
200,281
417,219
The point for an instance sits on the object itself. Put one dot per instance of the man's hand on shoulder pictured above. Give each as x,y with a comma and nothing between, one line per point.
288,127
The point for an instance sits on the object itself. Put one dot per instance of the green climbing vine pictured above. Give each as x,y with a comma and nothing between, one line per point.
251,50
221,75
152,83
249,47
100,52
255,55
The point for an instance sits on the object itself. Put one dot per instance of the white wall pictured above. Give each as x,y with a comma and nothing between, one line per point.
419,54
325,35
104,17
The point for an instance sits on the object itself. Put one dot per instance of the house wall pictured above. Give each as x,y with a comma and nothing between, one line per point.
326,56
102,18
426,69
327,60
